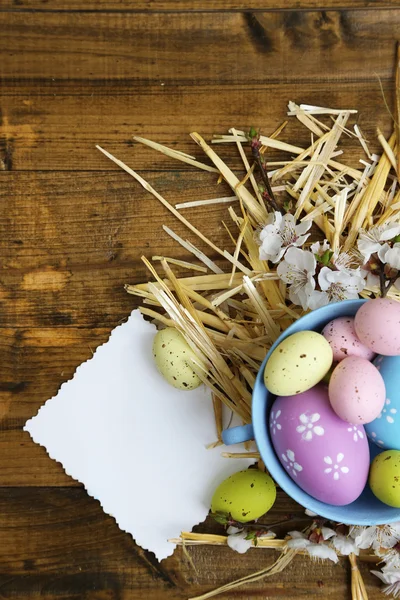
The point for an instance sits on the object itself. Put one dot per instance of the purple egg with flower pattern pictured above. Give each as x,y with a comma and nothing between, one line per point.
326,456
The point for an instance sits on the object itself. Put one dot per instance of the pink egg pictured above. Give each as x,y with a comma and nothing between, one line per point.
357,390
377,324
325,456
343,340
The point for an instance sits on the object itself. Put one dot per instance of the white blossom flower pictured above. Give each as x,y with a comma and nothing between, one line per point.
344,284
345,545
376,536
308,427
237,540
301,542
391,558
369,242
334,466
319,248
390,255
275,426
290,462
391,577
281,233
298,270
357,433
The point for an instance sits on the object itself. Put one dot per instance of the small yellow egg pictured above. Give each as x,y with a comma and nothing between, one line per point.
172,356
246,495
299,362
384,477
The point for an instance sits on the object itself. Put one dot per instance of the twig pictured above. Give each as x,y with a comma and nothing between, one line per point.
269,195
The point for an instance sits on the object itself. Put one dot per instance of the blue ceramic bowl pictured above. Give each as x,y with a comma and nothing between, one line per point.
367,509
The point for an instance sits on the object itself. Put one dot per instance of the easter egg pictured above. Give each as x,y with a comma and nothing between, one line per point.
356,390
343,340
298,363
384,478
172,353
246,495
324,455
384,431
377,324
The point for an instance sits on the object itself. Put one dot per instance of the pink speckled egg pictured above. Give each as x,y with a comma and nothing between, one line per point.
343,340
357,390
325,456
377,324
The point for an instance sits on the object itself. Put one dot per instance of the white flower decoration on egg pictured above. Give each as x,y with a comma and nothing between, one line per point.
275,426
335,466
290,462
392,411
374,436
308,427
356,433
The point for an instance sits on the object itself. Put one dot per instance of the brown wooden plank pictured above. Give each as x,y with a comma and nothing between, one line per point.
60,544
198,48
45,131
192,5
70,243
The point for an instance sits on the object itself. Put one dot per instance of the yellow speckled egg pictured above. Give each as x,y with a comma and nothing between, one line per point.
171,353
246,495
384,477
301,361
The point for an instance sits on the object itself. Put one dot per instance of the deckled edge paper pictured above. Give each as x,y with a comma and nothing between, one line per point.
137,444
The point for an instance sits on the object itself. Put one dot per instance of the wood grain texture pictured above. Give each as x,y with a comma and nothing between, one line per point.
73,229
41,130
76,551
274,47
150,6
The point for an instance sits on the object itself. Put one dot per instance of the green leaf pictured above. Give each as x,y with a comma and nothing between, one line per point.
253,133
396,239
325,258
220,517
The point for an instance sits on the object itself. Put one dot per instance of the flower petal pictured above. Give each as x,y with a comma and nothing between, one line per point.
303,418
290,455
327,532
238,542
317,299
328,460
319,430
322,551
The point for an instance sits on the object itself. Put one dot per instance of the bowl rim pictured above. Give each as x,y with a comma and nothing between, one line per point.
264,443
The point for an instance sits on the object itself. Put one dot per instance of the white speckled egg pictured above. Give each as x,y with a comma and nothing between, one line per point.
384,431
343,340
377,324
356,390
171,353
324,455
298,363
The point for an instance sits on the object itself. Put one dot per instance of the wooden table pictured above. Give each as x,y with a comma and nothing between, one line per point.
73,229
